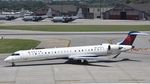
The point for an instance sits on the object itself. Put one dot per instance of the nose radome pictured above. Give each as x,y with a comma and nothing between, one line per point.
8,59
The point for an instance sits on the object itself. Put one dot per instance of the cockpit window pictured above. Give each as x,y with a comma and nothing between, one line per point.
15,54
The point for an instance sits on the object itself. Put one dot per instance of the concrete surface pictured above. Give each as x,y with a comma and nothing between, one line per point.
127,68
78,22
51,43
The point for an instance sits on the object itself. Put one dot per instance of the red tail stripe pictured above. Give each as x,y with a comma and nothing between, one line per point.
129,40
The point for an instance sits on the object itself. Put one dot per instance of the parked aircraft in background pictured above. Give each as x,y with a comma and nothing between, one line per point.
8,17
38,18
66,19
13,15
79,54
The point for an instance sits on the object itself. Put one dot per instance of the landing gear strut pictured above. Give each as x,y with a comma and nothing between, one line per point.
77,61
74,61
84,61
13,64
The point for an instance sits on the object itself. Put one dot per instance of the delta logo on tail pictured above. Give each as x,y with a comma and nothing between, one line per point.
130,38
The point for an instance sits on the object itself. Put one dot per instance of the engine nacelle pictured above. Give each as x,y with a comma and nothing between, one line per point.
112,48
106,46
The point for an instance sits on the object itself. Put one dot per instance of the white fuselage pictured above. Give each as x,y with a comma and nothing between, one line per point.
77,53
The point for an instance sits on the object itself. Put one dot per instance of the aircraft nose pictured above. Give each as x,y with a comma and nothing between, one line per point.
8,59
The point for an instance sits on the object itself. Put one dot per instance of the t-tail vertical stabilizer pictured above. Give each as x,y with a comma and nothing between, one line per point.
130,38
49,13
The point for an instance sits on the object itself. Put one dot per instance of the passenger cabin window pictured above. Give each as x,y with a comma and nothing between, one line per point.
15,54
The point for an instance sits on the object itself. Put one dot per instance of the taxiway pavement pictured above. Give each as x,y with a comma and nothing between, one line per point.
77,22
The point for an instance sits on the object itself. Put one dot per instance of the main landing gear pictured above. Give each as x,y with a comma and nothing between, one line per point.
72,61
12,64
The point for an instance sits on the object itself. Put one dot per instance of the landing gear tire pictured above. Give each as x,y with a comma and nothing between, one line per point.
78,61
84,62
13,64
70,61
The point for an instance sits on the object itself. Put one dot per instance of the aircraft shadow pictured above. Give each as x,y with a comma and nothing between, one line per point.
115,61
37,64
44,64
66,62
89,64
